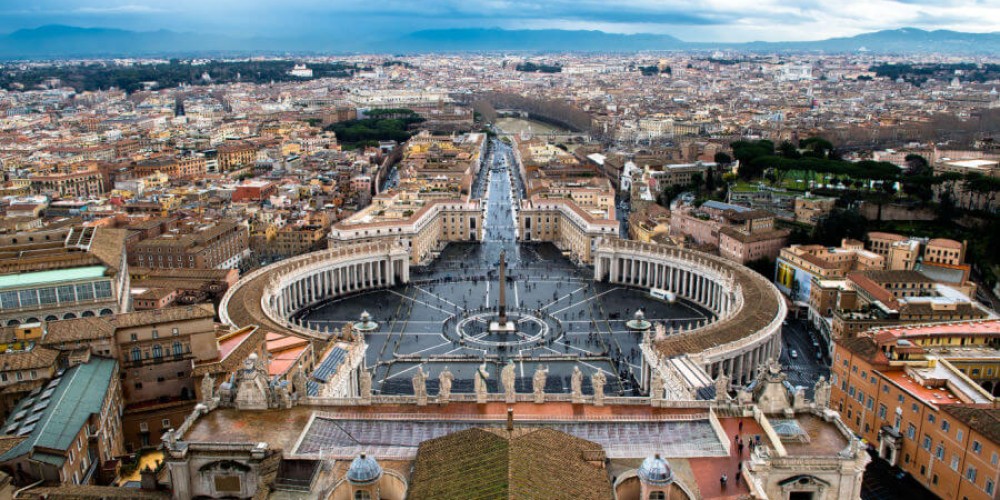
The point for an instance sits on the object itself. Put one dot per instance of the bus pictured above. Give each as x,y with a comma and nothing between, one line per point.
661,294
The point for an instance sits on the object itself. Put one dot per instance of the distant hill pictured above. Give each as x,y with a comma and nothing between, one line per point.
899,41
67,42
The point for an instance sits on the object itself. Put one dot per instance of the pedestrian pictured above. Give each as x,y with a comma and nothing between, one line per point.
740,446
741,425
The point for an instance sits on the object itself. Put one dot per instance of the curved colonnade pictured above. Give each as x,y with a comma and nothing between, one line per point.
748,309
270,296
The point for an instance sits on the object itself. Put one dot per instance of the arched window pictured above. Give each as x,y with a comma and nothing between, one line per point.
157,351
69,316
362,495
136,354
178,349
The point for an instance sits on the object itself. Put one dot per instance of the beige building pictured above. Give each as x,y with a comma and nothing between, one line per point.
422,226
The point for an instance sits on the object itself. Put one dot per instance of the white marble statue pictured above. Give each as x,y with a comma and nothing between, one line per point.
444,385
480,383
420,386
598,379
576,385
207,387
538,383
365,386
508,378
722,387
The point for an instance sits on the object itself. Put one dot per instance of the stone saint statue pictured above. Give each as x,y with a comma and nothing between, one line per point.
444,385
299,383
655,385
598,380
508,377
722,387
365,392
207,387
576,385
821,393
480,383
538,383
420,386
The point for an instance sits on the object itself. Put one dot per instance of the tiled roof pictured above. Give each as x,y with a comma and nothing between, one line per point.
38,357
984,419
69,330
490,464
170,314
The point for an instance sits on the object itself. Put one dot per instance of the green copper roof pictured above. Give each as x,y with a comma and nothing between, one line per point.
51,277
53,416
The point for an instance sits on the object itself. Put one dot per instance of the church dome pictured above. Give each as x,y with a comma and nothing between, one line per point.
656,470
364,470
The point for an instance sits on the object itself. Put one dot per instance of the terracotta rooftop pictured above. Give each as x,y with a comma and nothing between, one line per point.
985,419
493,464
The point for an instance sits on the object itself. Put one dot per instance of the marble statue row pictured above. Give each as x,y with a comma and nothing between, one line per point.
507,380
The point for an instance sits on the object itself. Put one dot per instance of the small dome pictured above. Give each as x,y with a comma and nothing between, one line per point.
364,470
656,470
365,316
639,315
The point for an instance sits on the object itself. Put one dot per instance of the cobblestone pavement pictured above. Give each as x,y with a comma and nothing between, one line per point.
438,319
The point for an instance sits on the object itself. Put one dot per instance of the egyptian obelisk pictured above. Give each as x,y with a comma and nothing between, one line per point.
502,309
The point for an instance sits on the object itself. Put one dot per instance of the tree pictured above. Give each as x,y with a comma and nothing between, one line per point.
839,224
697,180
723,158
788,150
917,165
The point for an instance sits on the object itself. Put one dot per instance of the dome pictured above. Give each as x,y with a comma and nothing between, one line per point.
656,470
364,470
639,315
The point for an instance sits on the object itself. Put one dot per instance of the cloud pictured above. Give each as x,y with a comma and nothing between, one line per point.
703,20
119,9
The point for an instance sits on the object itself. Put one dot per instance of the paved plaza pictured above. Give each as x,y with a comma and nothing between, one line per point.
564,319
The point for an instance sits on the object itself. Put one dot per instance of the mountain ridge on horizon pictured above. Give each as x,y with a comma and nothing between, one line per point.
62,41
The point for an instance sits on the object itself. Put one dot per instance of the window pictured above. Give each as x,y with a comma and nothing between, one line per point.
989,486
135,337
657,495
364,495
143,427
156,334
871,403
970,473
915,408
930,417
85,292
178,349
900,399
945,425
174,332
165,423
977,447
994,459
954,462
136,354
881,411
927,443
157,351
958,435
911,431
939,452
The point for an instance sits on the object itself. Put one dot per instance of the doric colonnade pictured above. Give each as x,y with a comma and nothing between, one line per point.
292,284
739,338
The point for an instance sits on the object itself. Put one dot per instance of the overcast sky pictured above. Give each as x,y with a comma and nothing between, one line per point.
690,20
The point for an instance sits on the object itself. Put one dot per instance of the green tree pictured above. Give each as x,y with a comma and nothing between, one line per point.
839,224
722,158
